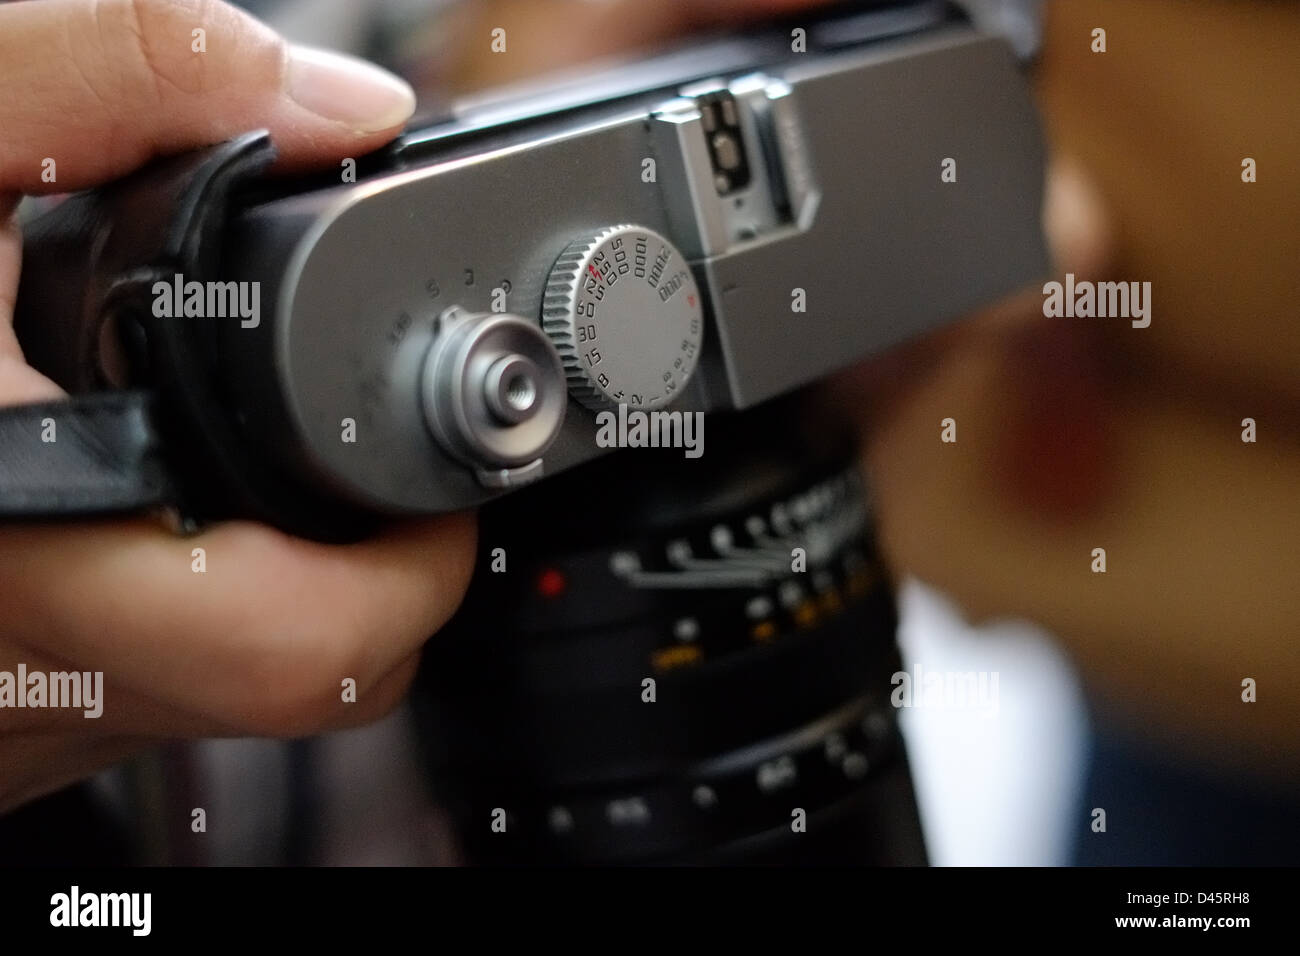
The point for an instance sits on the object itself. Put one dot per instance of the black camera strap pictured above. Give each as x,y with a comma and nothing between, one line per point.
88,455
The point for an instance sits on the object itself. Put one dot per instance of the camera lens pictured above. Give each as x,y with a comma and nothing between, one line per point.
674,660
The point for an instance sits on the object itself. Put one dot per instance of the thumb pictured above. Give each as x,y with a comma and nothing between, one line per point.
19,382
95,89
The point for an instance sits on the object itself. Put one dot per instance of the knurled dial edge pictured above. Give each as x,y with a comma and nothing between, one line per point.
647,333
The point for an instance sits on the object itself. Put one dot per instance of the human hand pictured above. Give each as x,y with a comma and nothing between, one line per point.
261,641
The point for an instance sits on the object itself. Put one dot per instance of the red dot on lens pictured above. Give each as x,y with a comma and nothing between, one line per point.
551,583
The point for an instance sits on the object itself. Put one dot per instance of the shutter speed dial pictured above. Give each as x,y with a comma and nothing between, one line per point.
624,312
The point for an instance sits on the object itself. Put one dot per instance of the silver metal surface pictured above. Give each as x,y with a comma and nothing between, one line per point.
892,249
847,212
473,367
511,388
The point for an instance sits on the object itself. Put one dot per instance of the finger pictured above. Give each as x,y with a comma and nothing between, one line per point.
374,702
61,697
18,381
100,86
262,638
51,694
37,764
10,263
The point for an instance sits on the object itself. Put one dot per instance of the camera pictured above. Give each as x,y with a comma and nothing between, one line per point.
435,325
686,655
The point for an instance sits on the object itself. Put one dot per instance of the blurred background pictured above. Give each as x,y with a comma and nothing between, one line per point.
1189,87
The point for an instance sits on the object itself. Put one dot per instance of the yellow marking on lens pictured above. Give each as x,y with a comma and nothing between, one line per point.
682,655
805,614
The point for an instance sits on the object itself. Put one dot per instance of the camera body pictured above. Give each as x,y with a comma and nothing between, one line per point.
810,230
436,324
